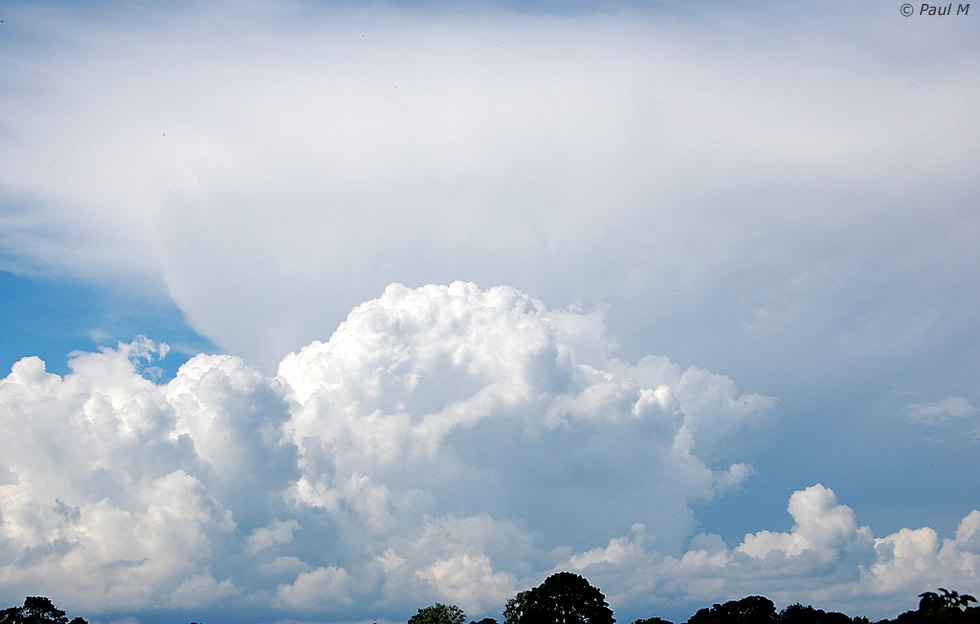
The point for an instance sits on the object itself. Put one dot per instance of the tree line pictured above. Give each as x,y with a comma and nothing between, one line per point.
567,598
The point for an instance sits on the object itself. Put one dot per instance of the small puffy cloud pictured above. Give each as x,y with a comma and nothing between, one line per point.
325,588
201,590
275,534
935,412
822,527
618,551
470,581
733,477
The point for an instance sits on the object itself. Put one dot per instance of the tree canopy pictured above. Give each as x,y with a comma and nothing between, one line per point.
748,610
37,610
563,598
931,601
439,614
567,598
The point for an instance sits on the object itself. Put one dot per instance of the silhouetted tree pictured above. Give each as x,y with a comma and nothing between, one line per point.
37,610
439,614
949,608
748,610
486,620
563,598
931,601
798,614
653,620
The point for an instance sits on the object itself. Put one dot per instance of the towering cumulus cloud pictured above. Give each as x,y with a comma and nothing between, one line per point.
446,443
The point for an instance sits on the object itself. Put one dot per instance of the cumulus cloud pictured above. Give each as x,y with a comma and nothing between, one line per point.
106,501
826,559
822,526
275,534
908,556
323,589
271,167
422,387
446,443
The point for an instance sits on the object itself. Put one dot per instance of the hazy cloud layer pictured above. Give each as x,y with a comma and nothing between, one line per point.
446,443
781,182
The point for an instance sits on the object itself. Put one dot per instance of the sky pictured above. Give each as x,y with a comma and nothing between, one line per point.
326,312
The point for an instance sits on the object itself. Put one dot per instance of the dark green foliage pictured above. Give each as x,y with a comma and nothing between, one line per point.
563,598
439,614
931,601
748,610
798,614
938,616
36,610
950,607
514,609
567,598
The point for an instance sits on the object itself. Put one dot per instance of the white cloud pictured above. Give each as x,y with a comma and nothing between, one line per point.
447,438
736,475
411,395
822,526
470,582
326,588
825,559
905,557
270,167
968,534
107,501
938,411
639,160
201,590
909,558
275,534
445,444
